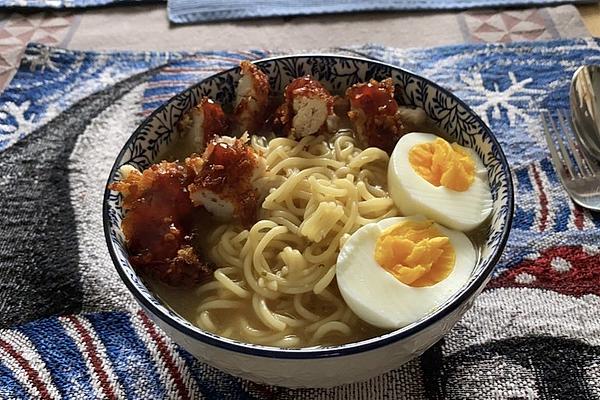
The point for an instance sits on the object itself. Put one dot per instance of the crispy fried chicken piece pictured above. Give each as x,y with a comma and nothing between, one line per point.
205,121
224,179
374,113
252,98
305,108
157,223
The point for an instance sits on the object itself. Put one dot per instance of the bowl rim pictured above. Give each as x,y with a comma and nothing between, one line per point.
313,352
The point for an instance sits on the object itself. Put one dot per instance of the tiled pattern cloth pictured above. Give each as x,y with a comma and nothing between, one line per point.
17,30
508,26
533,333
188,11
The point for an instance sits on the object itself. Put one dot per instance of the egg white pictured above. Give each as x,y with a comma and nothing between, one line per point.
413,195
380,299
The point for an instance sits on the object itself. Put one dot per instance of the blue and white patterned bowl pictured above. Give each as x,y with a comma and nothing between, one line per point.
328,366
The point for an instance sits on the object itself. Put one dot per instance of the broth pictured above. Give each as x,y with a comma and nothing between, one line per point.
309,323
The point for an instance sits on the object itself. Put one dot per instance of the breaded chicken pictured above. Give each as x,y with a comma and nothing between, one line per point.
203,122
305,108
224,179
157,225
374,113
252,99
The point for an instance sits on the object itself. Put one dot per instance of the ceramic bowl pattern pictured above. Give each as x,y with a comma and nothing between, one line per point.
351,362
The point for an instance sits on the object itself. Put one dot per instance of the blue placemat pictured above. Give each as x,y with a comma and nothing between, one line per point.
70,329
190,11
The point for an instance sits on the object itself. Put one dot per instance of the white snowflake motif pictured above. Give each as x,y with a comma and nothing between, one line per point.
9,132
496,99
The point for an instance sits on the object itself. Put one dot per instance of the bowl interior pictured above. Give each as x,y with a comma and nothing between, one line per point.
337,73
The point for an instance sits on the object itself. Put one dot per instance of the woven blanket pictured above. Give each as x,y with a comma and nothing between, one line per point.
189,11
71,330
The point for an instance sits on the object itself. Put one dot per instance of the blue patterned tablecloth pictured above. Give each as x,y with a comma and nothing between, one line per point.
71,330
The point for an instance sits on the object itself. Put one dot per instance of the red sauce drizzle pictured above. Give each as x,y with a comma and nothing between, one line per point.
157,224
374,98
228,170
307,86
215,121
281,120
373,112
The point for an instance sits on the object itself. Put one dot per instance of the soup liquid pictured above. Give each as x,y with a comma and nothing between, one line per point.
185,301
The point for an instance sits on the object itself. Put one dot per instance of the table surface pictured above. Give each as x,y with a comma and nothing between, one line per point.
591,17
511,312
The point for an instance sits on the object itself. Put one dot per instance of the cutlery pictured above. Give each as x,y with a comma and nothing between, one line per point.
579,174
585,107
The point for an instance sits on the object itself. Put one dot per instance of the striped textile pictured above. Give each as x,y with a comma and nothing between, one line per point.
69,329
189,11
54,4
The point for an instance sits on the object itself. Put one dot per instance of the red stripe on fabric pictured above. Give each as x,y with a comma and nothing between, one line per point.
31,373
164,351
578,213
93,355
167,70
160,97
543,199
226,59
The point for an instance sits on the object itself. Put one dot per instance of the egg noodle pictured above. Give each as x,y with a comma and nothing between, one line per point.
275,285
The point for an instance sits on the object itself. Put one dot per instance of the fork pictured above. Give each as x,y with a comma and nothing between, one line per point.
578,172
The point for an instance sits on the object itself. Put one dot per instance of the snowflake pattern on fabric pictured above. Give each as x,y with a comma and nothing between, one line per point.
67,78
495,103
532,333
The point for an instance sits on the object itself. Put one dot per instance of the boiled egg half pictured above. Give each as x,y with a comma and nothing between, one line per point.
445,182
398,270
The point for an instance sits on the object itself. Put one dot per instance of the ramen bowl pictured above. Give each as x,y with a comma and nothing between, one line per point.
317,366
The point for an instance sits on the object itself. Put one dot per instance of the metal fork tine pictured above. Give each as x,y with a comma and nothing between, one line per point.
582,163
583,187
593,164
589,161
563,151
558,165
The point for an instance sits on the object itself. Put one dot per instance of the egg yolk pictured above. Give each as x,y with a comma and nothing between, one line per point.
443,164
416,253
